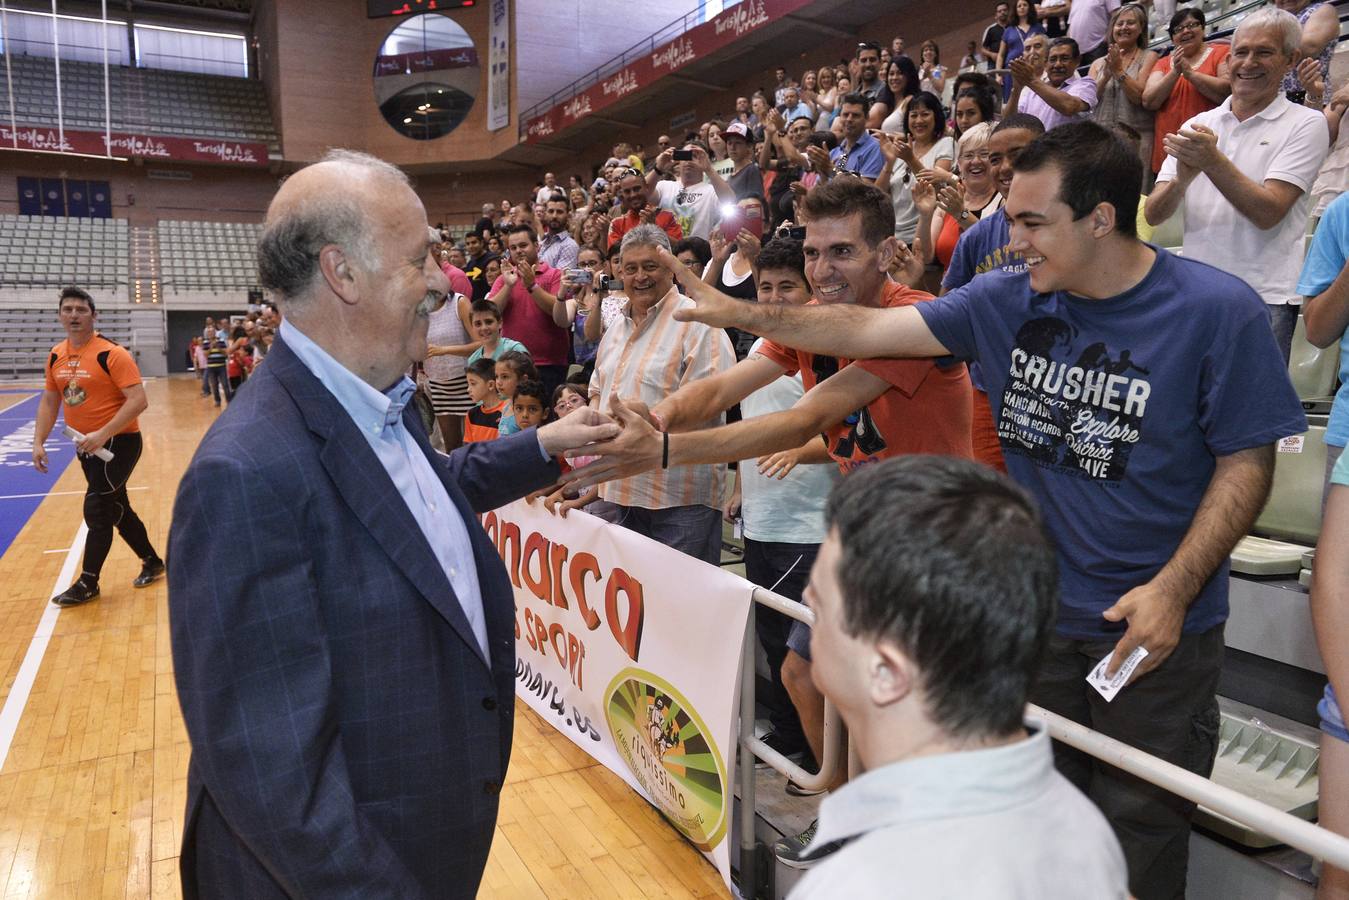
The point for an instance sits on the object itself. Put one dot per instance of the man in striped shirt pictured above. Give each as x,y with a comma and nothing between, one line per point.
646,354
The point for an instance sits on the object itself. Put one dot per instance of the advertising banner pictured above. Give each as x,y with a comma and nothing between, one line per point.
632,650
499,66
215,150
696,43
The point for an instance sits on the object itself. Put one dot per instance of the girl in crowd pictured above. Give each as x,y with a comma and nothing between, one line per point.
1122,75
931,73
1023,25
923,150
901,83
512,368
948,210
1191,80
494,245
972,106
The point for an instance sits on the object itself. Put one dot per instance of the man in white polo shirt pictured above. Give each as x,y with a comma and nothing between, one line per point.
1242,171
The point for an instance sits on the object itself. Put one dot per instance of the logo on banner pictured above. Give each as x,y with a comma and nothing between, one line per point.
226,151
745,17
541,127
671,752
624,82
674,56
577,107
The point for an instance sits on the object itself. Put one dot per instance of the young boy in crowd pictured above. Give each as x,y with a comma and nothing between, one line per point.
486,322
529,404
512,367
485,418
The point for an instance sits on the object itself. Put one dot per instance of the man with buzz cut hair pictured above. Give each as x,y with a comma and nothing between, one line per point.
94,382
934,597
1138,397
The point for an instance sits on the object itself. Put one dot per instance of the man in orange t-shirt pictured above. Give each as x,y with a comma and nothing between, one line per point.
96,382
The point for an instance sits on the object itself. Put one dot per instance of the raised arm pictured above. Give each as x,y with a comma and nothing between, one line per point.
696,402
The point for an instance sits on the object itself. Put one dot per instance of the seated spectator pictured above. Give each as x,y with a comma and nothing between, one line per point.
901,83
1121,75
637,210
931,622
525,293
648,355
1325,312
1330,615
1242,172
695,202
1023,25
484,418
783,82
529,404
485,324
923,150
971,61
858,152
931,73
972,106
1192,80
1061,95
745,179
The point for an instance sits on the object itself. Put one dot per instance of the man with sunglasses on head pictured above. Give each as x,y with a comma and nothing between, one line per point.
695,203
637,210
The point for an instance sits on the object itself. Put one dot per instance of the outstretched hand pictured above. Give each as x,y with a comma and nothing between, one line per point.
579,428
713,307
636,449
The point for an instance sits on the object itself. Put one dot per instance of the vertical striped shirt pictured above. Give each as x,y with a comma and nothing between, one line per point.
649,362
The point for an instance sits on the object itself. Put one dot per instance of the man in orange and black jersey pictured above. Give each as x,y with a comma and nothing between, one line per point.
96,382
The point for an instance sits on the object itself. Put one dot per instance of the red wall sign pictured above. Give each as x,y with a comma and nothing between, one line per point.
218,150
712,35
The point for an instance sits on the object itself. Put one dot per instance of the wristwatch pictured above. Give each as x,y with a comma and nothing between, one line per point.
964,215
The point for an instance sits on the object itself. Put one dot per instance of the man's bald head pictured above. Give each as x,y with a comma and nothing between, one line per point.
335,201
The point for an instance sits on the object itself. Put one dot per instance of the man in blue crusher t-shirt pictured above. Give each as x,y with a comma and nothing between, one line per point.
1138,396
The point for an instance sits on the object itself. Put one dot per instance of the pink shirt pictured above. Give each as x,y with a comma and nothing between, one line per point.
459,282
523,321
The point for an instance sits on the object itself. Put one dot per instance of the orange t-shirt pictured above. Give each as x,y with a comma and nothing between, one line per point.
90,381
482,422
926,409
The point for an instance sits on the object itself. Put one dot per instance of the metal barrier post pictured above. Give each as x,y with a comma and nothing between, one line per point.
749,857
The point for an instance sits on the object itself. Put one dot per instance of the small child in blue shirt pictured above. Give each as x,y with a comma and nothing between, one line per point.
512,368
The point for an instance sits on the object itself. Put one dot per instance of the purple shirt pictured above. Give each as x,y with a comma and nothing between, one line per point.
523,321
1033,104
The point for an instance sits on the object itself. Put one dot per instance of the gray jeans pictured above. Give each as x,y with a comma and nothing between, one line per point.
694,530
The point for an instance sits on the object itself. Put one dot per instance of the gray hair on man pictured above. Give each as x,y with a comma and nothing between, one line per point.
293,237
645,236
1278,20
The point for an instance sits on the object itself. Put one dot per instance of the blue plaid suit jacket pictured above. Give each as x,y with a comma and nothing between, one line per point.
348,739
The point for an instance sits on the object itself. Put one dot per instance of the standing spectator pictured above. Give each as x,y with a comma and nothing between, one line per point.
525,294
458,278
1089,25
901,83
696,198
556,247
924,147
745,179
731,268
1192,80
199,345
743,114
547,190
826,97
638,211
858,152
1242,172
787,164
488,221
784,81
239,358
217,368
1320,25
971,61
991,41
945,212
96,386
648,355
1053,15
1014,37
1325,312
581,302
1122,75
794,107
931,73
972,106
868,62
810,90
448,342
931,621
475,248
1061,95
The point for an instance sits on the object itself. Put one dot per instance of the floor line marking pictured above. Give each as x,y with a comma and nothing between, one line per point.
57,494
37,648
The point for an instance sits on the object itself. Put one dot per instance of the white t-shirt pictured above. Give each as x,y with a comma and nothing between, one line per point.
789,511
695,208
1284,141
901,189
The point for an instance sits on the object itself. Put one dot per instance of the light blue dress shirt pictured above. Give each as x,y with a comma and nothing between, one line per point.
379,418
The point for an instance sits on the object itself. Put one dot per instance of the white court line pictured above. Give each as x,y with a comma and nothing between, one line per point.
32,660
58,493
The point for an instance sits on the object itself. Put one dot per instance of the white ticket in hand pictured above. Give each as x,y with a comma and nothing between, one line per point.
102,453
1109,687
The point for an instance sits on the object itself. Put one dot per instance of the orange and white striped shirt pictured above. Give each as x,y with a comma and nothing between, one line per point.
650,362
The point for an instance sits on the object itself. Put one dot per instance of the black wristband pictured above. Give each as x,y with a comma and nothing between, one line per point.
665,450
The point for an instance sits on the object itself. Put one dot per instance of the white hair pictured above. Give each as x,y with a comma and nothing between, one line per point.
1278,20
644,236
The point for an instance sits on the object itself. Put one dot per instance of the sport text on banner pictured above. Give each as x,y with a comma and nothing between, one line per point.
632,650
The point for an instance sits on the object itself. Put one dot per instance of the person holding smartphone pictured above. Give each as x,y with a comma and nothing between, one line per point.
694,202
735,249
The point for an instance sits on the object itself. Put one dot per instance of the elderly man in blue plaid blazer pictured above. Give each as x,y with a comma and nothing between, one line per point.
342,627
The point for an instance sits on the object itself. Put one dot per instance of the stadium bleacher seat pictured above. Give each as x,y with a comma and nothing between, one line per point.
212,256
37,251
1291,520
27,334
1315,371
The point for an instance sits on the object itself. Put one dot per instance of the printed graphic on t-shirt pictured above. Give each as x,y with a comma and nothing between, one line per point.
1073,404
1004,259
686,204
857,439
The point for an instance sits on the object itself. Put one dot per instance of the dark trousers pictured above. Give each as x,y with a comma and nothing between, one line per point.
1172,713
107,507
692,530
787,566
219,381
551,376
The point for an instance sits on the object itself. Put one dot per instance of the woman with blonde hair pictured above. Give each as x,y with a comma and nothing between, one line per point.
946,211
826,97
1122,75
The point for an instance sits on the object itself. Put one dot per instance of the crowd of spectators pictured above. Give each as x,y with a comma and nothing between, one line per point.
878,182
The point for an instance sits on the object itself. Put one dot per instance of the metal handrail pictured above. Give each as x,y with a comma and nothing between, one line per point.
647,45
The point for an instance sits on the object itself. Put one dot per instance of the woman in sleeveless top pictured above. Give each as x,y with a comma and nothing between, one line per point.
1122,74
1320,27
1193,79
447,333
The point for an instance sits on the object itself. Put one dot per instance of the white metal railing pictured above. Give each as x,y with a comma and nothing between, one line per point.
1298,833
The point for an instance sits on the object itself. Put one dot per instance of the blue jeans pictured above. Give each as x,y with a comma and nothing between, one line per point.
217,378
1332,720
692,530
1282,320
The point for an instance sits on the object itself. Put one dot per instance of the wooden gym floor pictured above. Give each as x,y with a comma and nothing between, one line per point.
93,787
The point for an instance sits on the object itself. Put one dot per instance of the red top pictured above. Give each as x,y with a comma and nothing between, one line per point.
926,409
947,240
664,220
1185,100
